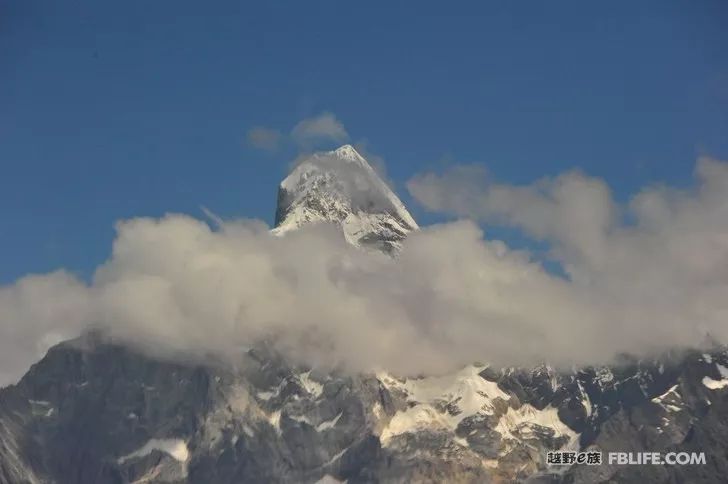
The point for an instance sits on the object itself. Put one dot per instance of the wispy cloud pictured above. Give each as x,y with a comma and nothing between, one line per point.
318,131
265,139
324,127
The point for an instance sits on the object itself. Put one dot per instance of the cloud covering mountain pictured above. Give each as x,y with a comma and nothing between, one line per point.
176,286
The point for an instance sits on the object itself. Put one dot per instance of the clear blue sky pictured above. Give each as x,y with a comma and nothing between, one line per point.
111,110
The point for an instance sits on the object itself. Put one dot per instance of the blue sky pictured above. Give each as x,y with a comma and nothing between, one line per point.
110,110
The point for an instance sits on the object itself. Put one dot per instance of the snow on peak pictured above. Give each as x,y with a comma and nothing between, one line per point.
340,186
347,152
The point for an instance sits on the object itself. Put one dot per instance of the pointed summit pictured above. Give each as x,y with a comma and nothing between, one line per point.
347,152
340,186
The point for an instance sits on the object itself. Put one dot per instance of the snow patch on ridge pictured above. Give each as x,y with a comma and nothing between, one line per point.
329,479
669,399
465,389
585,400
464,393
328,424
717,384
419,417
311,386
714,384
175,448
275,420
519,423
442,403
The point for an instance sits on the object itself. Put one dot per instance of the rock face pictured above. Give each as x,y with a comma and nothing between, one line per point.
95,412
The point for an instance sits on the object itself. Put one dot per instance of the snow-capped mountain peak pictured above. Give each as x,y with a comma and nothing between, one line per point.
347,152
340,186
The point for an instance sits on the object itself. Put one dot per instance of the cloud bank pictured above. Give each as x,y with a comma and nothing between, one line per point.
452,297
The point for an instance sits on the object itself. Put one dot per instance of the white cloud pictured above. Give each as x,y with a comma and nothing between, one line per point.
324,127
174,285
265,139
37,312
450,298
573,209
657,267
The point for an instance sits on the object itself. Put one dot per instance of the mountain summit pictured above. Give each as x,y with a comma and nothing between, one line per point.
340,186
